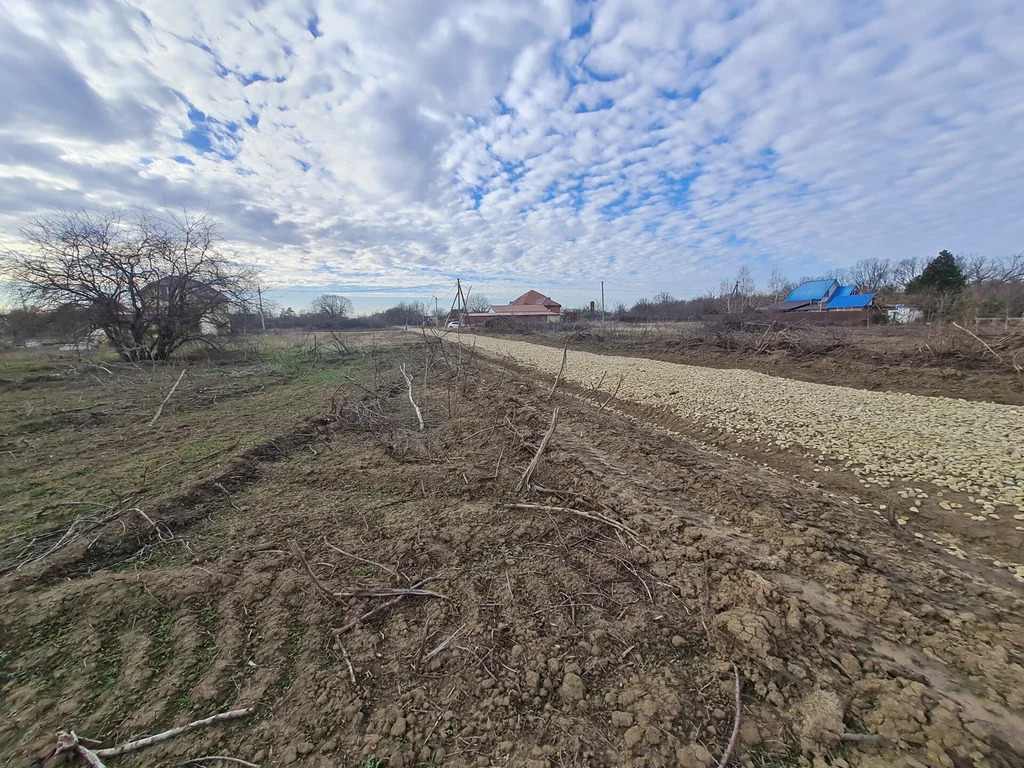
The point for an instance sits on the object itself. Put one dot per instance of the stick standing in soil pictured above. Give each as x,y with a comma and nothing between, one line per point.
161,408
561,370
415,407
612,395
524,481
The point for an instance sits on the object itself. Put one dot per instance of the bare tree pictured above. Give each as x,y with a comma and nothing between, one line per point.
745,287
872,275
727,295
776,283
332,305
992,270
478,303
664,298
153,280
905,270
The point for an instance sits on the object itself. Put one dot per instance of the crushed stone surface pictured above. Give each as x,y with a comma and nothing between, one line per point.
968,447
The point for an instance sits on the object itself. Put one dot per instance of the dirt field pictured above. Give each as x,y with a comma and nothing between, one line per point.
149,577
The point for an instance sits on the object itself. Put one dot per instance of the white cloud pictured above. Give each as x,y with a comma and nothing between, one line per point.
549,144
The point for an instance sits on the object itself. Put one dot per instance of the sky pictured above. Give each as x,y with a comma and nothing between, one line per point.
382,149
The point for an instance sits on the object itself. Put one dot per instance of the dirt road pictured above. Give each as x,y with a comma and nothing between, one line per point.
951,470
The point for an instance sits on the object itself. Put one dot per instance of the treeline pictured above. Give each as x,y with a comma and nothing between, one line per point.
950,287
333,312
963,287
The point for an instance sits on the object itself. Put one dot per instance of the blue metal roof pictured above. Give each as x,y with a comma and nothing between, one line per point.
845,290
816,290
851,302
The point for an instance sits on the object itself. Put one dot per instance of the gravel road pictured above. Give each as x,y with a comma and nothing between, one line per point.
892,438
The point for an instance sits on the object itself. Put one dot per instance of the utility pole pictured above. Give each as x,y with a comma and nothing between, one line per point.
437,313
455,301
602,301
263,320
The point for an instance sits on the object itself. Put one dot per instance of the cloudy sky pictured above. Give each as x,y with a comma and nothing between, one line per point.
383,148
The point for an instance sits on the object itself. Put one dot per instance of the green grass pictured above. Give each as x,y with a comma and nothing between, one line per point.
165,628
85,436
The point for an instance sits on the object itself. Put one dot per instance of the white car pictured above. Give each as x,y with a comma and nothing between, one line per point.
452,326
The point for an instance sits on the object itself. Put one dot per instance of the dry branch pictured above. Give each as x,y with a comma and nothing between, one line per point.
161,408
597,516
612,395
1012,364
864,738
524,481
68,741
561,369
384,606
415,407
735,725
445,643
362,591
383,567
67,744
297,554
132,746
219,759
348,663
79,527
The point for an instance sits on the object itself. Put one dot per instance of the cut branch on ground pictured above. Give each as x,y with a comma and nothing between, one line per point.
160,409
384,606
736,723
596,516
413,591
524,481
68,742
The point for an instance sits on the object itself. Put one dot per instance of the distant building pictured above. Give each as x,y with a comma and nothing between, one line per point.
904,313
823,296
531,307
202,307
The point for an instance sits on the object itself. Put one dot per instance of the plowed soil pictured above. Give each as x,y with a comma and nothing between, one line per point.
558,639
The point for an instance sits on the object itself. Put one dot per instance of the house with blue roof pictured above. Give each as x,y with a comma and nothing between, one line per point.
823,296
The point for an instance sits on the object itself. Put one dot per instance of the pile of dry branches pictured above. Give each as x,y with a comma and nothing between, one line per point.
361,415
33,548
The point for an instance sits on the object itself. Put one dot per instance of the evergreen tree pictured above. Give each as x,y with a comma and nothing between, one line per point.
942,276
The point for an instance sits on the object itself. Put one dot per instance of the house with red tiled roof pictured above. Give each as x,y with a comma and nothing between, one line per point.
531,307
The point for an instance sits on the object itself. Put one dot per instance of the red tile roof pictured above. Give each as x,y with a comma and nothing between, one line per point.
533,298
